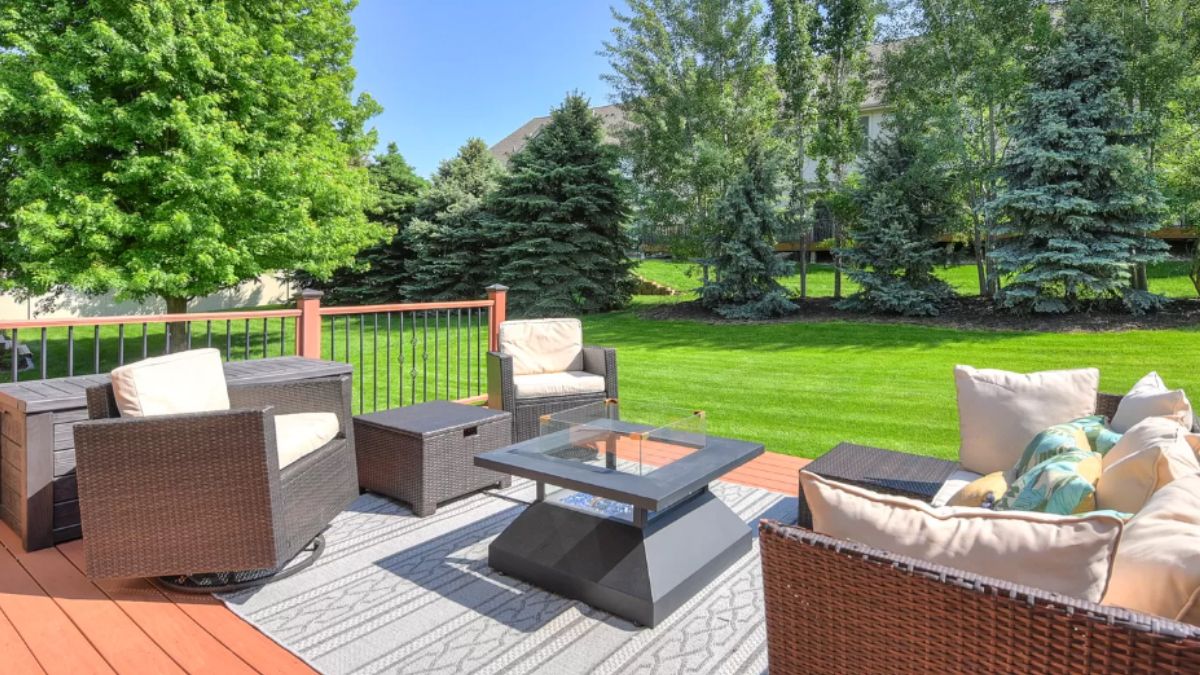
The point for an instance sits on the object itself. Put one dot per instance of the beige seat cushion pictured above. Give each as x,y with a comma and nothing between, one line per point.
543,345
299,434
1151,398
1155,452
1000,412
184,382
557,384
1157,569
1064,554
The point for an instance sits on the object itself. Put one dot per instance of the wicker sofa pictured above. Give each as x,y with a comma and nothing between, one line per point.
838,606
202,492
542,349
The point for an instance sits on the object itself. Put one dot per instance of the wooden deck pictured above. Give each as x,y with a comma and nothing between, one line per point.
53,619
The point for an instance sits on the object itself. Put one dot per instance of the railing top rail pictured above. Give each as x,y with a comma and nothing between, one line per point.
404,307
149,318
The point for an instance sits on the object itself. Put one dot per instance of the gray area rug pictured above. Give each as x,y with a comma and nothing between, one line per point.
394,593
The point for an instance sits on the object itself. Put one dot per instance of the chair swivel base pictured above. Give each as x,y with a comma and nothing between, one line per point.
228,582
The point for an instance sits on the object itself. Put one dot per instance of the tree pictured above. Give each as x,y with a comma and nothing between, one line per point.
746,265
175,148
450,239
790,26
906,199
960,67
693,81
1078,204
1180,164
841,38
562,211
379,274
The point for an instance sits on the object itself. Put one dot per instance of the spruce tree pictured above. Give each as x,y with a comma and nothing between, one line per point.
745,261
379,275
449,238
1078,206
906,199
561,211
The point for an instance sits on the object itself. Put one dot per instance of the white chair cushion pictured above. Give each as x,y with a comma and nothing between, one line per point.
557,384
184,382
958,480
1151,398
543,345
1064,554
1000,412
299,434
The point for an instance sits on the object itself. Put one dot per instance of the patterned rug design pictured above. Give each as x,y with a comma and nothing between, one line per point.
394,593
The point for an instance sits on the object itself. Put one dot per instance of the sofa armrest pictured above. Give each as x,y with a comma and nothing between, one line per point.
502,394
602,361
159,487
325,394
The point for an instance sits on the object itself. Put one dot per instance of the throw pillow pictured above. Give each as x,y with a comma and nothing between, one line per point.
1153,453
1063,554
1100,438
1157,568
1054,441
1063,484
1151,398
981,492
1000,412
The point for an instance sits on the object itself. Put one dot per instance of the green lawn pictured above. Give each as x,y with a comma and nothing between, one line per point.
800,388
1169,278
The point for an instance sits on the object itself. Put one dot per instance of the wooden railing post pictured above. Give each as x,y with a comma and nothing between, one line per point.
308,326
498,294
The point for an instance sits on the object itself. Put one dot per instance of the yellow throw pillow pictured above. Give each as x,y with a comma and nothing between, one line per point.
978,491
1150,455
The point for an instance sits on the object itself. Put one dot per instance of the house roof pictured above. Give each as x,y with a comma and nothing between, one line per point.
612,118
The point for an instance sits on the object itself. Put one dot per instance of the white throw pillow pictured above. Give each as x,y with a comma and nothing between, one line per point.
184,382
1063,554
1151,398
1000,412
1155,452
542,345
1157,569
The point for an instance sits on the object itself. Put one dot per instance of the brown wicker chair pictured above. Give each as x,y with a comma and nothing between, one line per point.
835,606
202,493
502,394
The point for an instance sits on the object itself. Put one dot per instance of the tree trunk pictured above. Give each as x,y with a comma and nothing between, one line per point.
177,331
837,258
804,265
1194,272
980,265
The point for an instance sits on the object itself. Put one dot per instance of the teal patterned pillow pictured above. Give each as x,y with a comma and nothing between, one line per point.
1063,484
1054,441
1100,438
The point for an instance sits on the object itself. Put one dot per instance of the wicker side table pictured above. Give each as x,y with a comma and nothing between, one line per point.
886,471
425,454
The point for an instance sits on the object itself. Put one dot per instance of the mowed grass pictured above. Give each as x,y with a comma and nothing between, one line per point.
1169,278
800,388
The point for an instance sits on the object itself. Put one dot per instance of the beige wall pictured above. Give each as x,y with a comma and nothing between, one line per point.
266,290
876,119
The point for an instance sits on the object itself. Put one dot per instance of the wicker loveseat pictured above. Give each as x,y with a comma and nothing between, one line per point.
203,492
838,606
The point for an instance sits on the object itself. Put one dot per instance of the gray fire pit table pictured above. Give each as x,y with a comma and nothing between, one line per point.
633,529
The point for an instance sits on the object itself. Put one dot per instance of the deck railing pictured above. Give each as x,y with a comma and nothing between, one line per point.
401,353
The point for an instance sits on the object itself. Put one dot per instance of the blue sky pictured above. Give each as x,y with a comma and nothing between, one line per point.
446,70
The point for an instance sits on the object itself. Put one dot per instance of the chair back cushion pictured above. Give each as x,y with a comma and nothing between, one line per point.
1063,554
299,434
1155,452
543,345
1000,412
1157,569
1150,397
184,382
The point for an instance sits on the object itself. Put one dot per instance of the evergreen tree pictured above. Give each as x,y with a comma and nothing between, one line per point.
449,238
379,275
905,201
745,261
562,212
1078,206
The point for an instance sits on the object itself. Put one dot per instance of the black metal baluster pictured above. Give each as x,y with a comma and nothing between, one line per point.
469,351
362,368
187,334
447,354
228,339
425,356
96,349
387,362
436,350
145,340
120,344
282,336
43,354
13,355
208,333
478,349
245,339
400,368
375,364
412,394
70,351
167,338
346,326
265,338
458,357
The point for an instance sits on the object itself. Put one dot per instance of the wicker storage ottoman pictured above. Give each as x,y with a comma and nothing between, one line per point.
424,454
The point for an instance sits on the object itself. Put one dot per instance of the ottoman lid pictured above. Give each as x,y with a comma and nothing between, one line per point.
433,417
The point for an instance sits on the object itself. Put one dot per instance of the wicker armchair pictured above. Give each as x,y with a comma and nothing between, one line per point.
506,374
200,493
840,607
